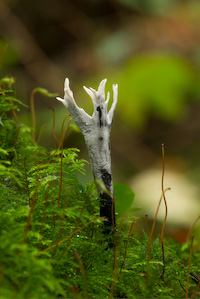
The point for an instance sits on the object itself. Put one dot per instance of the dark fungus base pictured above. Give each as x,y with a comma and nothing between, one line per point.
107,209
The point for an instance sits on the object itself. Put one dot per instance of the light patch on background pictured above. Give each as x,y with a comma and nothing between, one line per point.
182,199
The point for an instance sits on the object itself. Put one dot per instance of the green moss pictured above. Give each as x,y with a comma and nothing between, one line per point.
51,242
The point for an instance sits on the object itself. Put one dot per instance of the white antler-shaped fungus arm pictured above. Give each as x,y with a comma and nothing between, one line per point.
79,115
96,132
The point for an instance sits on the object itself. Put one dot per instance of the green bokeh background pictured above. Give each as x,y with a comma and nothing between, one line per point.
151,48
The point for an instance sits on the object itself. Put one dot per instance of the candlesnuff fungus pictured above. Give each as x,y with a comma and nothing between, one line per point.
96,131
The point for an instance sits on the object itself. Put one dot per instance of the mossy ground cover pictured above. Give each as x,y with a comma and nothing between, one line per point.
51,239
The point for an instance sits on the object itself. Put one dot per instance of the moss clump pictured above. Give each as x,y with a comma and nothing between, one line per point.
51,242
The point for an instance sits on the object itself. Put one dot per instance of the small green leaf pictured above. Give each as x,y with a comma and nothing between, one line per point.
3,151
6,91
44,92
102,186
8,81
124,198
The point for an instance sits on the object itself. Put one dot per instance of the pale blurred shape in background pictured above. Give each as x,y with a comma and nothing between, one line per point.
182,200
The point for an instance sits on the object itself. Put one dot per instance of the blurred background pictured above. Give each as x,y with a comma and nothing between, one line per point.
151,48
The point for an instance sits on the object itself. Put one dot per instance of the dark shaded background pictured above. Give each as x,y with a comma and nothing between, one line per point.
151,48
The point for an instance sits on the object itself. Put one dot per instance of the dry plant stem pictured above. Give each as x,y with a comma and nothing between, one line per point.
77,224
163,227
54,217
61,175
114,231
63,135
2,275
147,225
196,291
115,263
54,123
96,131
80,263
32,106
60,227
33,202
126,246
66,238
2,54
189,262
28,191
151,235
16,130
40,133
194,276
44,216
16,123
154,222
192,227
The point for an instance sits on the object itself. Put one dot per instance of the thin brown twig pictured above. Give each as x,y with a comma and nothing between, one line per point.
16,122
192,227
115,264
2,54
189,262
92,225
33,202
28,191
44,215
60,227
62,136
80,263
77,223
151,235
41,130
114,230
54,217
126,246
54,123
196,290
16,125
61,175
165,219
32,106
147,224
66,238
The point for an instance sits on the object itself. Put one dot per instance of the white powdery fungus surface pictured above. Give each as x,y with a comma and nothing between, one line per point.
96,131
